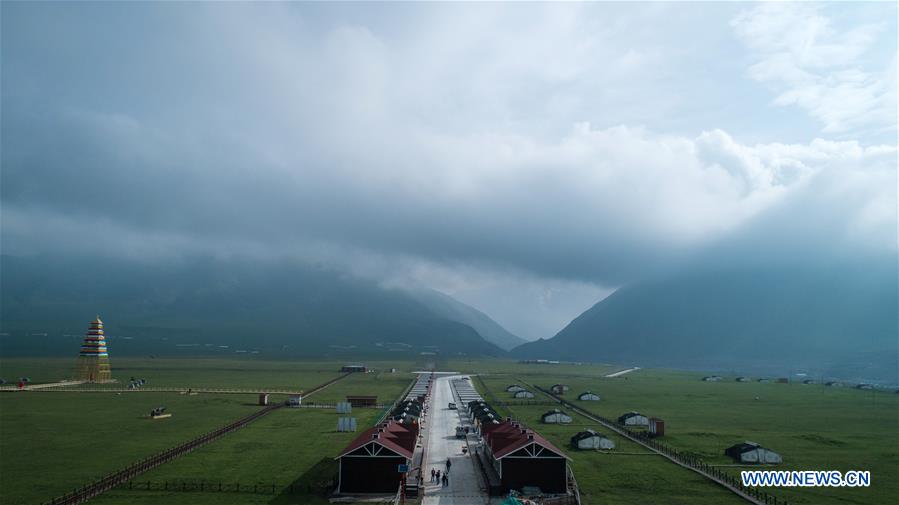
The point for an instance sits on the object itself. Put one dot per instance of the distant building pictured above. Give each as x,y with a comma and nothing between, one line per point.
362,400
408,411
93,360
589,439
809,381
514,388
656,427
742,379
834,384
294,401
559,388
783,380
864,386
763,380
263,398
523,394
480,413
588,397
556,417
633,419
353,368
751,452
711,378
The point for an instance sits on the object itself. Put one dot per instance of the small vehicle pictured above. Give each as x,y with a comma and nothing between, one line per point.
460,432
451,406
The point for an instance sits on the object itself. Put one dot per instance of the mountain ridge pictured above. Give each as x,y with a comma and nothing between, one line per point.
278,307
747,318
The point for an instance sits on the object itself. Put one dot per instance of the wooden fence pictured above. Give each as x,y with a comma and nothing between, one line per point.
219,486
115,479
732,483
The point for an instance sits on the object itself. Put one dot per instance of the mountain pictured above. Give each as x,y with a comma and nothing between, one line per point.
213,305
455,310
838,320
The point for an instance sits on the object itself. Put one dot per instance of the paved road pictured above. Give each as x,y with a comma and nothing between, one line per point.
618,374
465,487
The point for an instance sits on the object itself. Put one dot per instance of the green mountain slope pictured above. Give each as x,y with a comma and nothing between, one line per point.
834,320
455,310
202,304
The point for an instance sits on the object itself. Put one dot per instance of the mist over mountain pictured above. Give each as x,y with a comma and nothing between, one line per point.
203,305
454,310
838,320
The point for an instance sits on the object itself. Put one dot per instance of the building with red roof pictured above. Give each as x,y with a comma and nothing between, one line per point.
370,463
523,458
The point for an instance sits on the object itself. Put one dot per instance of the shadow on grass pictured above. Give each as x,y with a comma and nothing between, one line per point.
318,481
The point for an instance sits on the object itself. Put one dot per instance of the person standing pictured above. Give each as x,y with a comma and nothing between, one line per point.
433,475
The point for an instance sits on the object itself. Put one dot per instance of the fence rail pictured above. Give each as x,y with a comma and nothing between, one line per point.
115,479
219,486
70,389
732,483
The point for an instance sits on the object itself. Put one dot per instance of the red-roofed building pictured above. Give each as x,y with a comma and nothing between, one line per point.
369,464
523,458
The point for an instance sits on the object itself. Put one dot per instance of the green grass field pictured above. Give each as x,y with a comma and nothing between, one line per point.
814,427
51,443
186,372
288,446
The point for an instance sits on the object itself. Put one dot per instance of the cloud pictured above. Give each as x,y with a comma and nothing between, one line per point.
531,165
814,64
597,205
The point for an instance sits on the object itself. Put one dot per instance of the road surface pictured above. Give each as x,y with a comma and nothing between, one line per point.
465,485
618,374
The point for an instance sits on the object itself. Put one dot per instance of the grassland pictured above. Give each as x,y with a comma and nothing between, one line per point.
187,372
288,446
813,426
51,443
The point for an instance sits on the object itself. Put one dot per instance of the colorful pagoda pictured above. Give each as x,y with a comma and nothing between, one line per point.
93,360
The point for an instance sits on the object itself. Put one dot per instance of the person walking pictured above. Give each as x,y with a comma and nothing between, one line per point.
438,476
445,480
448,464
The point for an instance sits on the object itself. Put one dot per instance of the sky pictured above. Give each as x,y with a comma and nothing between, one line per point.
525,158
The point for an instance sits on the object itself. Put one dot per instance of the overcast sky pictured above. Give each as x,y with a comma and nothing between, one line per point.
527,159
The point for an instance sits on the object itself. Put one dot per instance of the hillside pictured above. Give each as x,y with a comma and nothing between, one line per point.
455,310
199,305
838,320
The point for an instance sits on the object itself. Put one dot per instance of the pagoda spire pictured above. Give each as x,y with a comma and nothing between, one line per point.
93,359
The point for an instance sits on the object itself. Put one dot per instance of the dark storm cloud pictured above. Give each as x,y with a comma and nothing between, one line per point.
306,131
